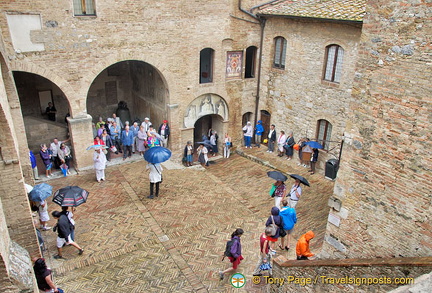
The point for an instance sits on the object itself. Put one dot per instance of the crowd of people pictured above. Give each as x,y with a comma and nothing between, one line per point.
284,142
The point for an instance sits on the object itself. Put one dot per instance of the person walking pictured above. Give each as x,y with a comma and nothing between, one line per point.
276,220
69,214
295,194
264,256
279,193
99,160
188,153
235,251
127,139
63,228
302,248
164,132
155,177
227,146
289,217
247,133
43,215
43,276
46,159
271,139
259,129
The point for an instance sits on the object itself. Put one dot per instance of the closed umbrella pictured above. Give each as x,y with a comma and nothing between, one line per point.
70,196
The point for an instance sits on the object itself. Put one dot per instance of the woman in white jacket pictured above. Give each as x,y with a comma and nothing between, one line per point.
155,177
99,160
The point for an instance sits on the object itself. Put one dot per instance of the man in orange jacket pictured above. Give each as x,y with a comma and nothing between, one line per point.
302,247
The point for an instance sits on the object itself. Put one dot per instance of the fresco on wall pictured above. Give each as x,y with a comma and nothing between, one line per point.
234,64
207,104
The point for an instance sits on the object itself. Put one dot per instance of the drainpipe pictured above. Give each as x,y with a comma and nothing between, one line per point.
245,11
257,97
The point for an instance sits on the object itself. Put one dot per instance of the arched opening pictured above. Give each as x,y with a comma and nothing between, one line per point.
247,117
204,125
138,84
35,92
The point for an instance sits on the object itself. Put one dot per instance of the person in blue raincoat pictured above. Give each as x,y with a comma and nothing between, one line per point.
34,165
259,129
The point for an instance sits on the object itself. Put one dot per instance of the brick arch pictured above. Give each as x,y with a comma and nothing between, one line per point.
205,104
52,76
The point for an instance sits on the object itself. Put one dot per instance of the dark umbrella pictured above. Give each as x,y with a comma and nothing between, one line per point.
276,175
70,196
314,144
40,192
301,178
157,154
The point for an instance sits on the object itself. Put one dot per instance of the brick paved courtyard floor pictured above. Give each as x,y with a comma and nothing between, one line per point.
174,243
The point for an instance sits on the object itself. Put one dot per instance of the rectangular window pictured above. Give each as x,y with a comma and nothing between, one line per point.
280,52
84,7
333,69
324,133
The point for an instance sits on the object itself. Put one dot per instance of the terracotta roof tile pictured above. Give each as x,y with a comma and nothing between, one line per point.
351,10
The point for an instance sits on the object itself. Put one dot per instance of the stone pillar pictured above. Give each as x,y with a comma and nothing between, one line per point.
81,134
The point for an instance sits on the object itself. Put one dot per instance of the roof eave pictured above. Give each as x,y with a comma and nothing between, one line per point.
310,18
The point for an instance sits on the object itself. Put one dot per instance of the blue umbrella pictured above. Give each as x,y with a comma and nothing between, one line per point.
314,144
40,192
157,154
206,143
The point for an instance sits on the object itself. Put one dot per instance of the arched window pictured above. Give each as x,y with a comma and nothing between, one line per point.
279,53
250,62
206,65
84,7
324,129
334,60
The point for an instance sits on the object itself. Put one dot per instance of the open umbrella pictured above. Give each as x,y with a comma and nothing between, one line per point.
70,196
28,187
301,178
276,175
206,143
40,192
157,154
96,146
314,144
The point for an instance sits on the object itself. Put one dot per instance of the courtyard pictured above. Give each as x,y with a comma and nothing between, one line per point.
174,243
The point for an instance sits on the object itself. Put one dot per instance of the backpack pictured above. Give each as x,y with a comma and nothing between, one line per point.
228,249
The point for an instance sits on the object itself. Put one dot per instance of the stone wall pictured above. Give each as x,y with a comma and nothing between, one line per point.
384,182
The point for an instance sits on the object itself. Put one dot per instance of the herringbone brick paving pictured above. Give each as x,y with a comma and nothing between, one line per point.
174,243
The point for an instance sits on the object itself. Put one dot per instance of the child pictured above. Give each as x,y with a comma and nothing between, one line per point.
265,256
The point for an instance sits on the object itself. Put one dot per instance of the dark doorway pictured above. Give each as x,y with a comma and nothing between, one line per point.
265,118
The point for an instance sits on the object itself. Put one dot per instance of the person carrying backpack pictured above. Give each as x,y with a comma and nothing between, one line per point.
233,252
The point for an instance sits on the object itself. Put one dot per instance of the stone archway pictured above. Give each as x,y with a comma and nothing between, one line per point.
137,83
206,104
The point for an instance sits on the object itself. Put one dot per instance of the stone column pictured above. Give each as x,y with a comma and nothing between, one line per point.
81,134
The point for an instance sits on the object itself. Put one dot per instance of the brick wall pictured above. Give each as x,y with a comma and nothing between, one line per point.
385,179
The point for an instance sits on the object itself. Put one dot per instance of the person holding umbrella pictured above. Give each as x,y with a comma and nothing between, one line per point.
279,187
295,194
155,156
40,193
64,230
99,160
